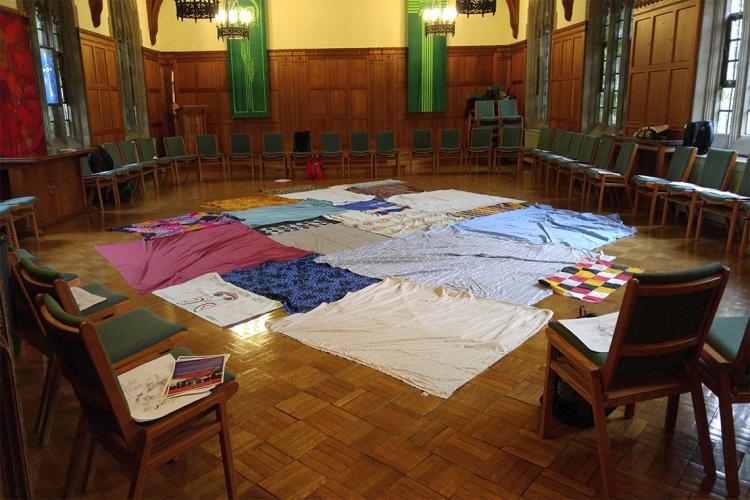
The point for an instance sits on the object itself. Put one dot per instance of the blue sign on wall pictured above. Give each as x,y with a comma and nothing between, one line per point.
50,76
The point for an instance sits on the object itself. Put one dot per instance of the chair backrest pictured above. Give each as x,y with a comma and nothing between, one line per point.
129,152
625,158
273,142
147,147
664,321
113,151
330,142
85,364
301,142
485,110
717,169
481,138
588,145
740,371
450,138
360,142
385,142
743,186
603,152
43,279
564,142
511,136
241,144
508,107
207,144
421,139
545,138
175,146
14,262
681,163
574,146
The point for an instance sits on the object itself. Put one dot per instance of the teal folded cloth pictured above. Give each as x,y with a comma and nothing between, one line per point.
133,332
23,201
110,298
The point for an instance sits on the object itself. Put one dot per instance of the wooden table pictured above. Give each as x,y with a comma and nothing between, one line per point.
55,180
660,148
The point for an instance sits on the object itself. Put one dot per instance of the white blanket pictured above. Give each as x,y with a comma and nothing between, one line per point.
328,239
447,200
336,195
394,224
434,339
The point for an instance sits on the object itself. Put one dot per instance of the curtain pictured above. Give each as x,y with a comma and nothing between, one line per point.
427,57
248,67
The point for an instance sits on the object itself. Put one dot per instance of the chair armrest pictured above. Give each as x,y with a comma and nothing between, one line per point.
713,358
570,352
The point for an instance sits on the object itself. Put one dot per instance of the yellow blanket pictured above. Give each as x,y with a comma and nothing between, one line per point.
247,202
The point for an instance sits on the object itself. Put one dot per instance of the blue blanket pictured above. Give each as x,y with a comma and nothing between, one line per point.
301,284
541,224
266,216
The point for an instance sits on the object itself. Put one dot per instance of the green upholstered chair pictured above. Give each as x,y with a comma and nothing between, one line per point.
510,145
209,154
679,170
480,146
241,153
449,147
617,178
508,112
485,114
577,170
544,143
725,369
162,164
728,204
745,228
6,221
21,208
273,150
715,174
385,150
552,162
147,167
330,149
123,171
359,150
585,155
662,326
421,146
175,149
558,149
86,354
101,182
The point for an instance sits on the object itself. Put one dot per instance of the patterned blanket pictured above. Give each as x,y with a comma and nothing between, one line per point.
489,210
246,202
291,189
385,191
590,281
191,221
288,227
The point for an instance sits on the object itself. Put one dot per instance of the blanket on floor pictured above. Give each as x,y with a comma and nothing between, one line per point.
246,202
329,238
543,224
590,281
288,227
300,284
335,195
384,191
290,189
394,224
484,265
267,216
429,338
489,210
447,200
371,184
374,207
157,263
191,221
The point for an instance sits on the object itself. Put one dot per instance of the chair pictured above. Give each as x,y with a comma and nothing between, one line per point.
661,328
147,149
484,114
175,148
558,148
6,221
715,174
725,369
745,228
209,154
241,153
273,150
508,112
585,155
330,149
421,146
100,181
553,161
359,150
726,204
301,150
125,171
511,146
617,178
450,146
147,166
385,150
22,208
480,146
105,417
679,170
601,160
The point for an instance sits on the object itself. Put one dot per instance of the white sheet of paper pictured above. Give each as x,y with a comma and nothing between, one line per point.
144,386
217,301
596,333
85,299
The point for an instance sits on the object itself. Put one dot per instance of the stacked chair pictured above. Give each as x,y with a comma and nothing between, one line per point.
727,204
450,146
617,178
510,145
359,150
273,150
175,148
385,150
161,164
421,146
508,113
241,153
209,154
330,149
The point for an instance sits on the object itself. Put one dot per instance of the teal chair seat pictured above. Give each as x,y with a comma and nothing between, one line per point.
45,274
717,196
596,357
239,156
422,150
450,150
301,154
272,155
643,180
746,205
215,156
185,158
25,254
579,166
6,209
111,298
133,332
477,149
63,276
726,335
680,187
23,201
601,172
105,174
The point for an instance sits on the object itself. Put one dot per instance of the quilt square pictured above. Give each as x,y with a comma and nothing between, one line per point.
592,281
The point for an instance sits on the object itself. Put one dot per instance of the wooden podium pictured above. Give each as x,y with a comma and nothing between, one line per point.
191,121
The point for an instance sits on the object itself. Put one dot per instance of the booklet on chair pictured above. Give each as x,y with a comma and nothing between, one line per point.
196,374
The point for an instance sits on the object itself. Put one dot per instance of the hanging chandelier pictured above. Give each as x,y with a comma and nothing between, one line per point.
233,21
439,21
470,7
196,9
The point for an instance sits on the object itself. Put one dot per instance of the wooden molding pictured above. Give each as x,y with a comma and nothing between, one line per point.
152,11
568,9
569,30
96,11
513,9
94,35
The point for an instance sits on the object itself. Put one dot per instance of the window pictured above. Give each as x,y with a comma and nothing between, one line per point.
612,64
729,66
541,24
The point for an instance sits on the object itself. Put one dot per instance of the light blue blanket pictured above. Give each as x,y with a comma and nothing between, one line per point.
540,224
264,216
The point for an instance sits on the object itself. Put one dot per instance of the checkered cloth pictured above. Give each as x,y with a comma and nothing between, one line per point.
489,210
288,227
590,281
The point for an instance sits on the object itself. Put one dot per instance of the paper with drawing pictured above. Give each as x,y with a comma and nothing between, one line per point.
596,333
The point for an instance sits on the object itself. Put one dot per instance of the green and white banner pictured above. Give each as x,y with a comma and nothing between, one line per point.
426,61
248,67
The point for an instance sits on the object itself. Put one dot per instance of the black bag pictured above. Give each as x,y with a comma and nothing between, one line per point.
699,134
100,161
302,142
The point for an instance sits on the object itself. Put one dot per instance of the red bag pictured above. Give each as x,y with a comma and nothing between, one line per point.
314,169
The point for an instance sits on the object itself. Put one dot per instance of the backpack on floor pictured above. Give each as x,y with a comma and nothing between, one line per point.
314,169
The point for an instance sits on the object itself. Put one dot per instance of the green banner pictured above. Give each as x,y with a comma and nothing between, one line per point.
426,61
248,67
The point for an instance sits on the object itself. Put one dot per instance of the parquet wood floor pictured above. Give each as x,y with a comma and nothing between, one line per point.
309,424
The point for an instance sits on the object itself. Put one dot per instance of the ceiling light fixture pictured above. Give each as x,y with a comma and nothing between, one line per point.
472,7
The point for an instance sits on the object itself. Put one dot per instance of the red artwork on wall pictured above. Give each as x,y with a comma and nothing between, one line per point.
21,125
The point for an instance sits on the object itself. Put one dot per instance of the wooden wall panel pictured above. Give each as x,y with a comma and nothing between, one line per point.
661,75
566,77
156,95
102,87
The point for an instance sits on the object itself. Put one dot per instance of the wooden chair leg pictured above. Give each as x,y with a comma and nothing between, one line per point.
155,175
732,226
652,211
629,411
699,225
602,442
48,401
635,203
89,472
550,387
728,437
745,230
673,405
77,456
601,197
14,234
665,211
226,453
99,196
691,216
704,438
34,225
139,477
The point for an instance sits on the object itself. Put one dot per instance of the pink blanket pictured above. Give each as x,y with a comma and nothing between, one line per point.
160,262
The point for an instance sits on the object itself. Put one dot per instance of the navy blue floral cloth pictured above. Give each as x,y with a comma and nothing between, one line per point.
300,284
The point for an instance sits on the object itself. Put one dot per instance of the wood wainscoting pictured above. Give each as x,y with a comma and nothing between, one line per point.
566,77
